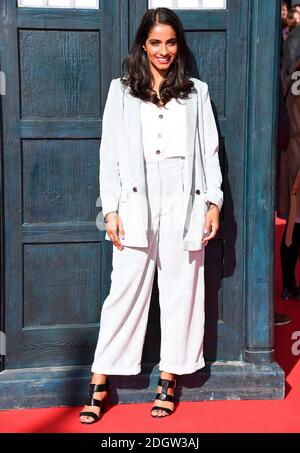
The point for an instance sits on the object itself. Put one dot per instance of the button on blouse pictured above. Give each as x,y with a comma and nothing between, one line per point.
164,129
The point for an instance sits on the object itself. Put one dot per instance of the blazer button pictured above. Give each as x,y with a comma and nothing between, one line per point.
134,189
198,192
158,151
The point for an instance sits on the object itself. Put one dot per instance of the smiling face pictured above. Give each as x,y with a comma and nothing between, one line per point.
161,47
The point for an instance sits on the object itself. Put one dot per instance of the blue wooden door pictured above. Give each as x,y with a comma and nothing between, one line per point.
58,64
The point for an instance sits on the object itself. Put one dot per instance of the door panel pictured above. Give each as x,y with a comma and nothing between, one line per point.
59,74
59,180
209,60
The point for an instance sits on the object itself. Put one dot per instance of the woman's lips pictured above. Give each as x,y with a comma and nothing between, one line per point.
163,60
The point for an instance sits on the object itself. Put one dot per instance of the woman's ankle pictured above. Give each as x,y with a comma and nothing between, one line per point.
168,376
99,378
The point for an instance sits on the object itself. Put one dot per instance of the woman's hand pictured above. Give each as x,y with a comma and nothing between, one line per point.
212,222
114,228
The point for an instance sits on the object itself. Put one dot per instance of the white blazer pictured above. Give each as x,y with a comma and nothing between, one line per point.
122,173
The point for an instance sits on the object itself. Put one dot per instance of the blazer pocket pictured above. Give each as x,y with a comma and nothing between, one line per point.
198,210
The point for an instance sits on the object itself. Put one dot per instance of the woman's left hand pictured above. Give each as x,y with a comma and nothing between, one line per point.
212,222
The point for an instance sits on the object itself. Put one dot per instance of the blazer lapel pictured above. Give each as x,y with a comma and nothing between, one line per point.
191,124
133,126
191,117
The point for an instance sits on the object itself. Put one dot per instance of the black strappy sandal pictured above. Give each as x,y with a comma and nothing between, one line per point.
165,384
103,404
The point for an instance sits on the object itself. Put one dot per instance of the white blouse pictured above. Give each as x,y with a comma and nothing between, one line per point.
164,129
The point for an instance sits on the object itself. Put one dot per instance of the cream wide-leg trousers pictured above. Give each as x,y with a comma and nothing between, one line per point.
124,313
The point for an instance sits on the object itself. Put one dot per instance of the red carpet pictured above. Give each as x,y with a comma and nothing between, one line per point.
282,416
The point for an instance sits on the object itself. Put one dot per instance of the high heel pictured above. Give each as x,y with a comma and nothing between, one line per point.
102,404
165,384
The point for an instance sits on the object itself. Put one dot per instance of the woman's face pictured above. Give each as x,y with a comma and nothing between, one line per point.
296,17
284,11
161,47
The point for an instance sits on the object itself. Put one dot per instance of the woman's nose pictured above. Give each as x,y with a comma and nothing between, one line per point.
163,50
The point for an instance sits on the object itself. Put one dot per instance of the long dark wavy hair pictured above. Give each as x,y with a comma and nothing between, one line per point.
136,66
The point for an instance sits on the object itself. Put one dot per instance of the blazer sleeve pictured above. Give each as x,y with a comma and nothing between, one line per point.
109,174
213,175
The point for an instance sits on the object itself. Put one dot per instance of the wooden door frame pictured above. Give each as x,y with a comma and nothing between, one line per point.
263,82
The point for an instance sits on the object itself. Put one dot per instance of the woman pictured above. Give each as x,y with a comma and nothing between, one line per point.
285,13
160,189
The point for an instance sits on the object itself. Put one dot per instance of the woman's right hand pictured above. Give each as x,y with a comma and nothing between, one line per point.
114,228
